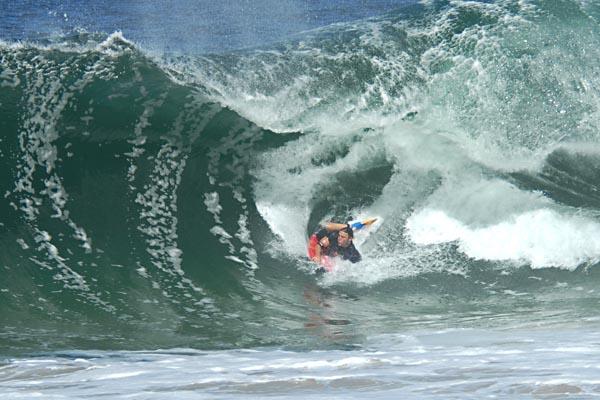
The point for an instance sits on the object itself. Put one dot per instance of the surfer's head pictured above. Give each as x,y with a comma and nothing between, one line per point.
345,237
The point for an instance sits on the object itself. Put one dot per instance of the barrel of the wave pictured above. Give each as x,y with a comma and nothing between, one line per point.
315,244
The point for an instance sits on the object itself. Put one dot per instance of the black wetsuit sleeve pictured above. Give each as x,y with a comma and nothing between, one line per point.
352,254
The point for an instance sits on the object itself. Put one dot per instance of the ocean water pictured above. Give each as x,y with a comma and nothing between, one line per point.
164,164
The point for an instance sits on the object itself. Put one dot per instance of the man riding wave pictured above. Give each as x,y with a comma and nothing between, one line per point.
334,240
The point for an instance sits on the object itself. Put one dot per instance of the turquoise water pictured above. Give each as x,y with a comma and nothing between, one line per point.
156,206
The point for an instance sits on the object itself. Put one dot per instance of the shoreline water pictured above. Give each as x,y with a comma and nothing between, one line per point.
465,363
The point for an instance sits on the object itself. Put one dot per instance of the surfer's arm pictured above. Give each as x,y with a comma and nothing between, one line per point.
317,257
334,226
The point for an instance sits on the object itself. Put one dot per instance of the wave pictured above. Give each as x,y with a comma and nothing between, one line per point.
176,193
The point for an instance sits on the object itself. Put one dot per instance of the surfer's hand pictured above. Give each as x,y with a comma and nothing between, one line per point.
357,225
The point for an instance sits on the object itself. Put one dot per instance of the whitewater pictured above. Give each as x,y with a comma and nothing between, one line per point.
160,178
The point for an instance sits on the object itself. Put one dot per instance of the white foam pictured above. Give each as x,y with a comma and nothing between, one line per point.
211,200
540,238
8,78
114,44
218,230
120,375
287,222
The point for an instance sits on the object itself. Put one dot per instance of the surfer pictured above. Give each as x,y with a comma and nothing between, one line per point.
342,246
335,240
